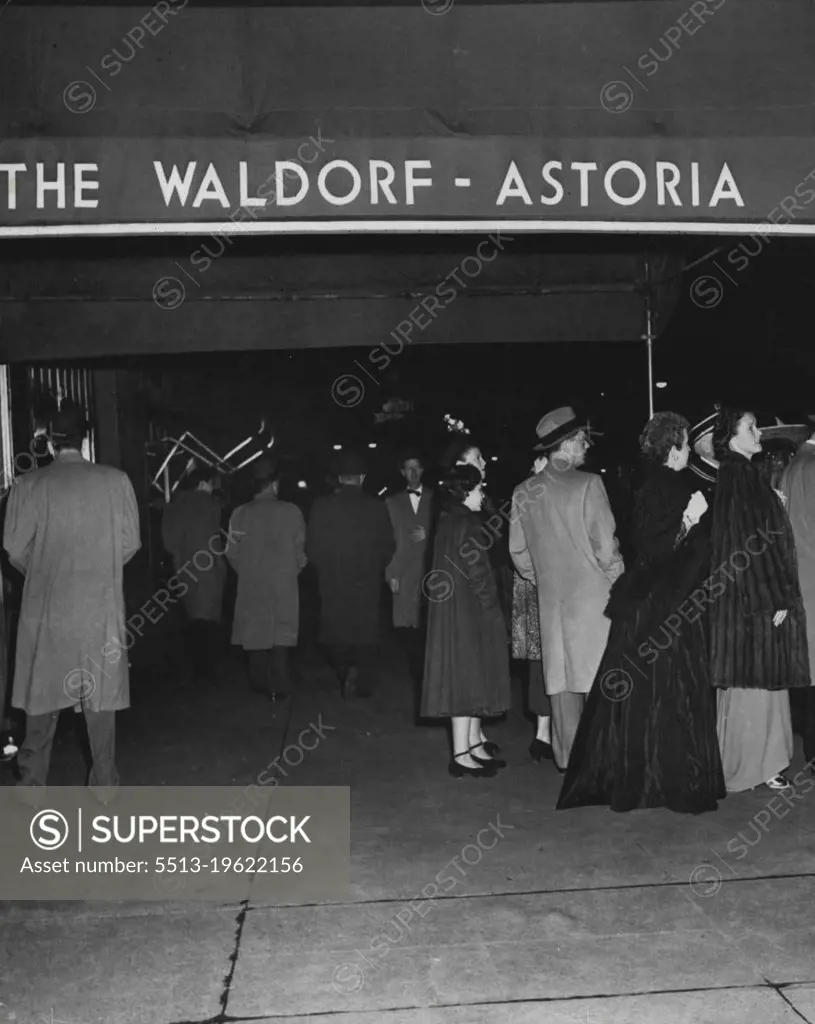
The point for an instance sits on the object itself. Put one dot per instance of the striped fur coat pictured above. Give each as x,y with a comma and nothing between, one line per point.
754,574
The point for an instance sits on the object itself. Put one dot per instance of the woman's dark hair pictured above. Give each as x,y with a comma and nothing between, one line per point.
460,444
665,430
459,482
725,427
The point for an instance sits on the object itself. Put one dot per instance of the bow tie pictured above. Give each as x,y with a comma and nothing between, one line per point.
417,493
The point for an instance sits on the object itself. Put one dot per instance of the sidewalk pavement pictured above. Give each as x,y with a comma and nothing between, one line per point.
472,900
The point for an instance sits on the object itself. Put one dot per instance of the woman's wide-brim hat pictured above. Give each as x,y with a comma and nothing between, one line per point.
796,433
559,424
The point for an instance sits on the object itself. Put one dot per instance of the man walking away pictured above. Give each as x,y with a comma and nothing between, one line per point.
192,523
798,486
267,551
350,542
562,537
70,529
410,514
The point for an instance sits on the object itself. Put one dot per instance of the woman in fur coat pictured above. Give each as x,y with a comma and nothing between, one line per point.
758,626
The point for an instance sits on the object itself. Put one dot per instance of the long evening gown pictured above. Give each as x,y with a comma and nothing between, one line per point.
647,736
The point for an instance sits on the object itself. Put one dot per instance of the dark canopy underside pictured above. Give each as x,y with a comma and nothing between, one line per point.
481,79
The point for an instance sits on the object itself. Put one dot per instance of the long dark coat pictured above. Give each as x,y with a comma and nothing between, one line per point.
190,526
647,736
266,552
467,658
798,483
754,574
350,542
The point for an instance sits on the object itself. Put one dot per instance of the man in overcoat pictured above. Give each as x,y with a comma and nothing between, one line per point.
410,514
267,550
350,542
191,523
562,536
70,528
798,486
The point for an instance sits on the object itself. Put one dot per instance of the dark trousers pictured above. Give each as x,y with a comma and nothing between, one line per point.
269,670
413,644
539,703
34,758
802,704
202,642
359,657
809,726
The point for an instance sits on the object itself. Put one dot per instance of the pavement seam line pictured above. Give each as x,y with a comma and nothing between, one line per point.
380,1012
222,1017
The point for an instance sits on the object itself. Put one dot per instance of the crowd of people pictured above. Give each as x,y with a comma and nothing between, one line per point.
663,680
667,680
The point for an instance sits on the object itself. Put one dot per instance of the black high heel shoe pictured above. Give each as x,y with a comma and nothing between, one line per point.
490,761
485,770
539,750
492,748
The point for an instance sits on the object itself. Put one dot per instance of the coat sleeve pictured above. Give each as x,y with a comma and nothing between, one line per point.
300,540
20,526
519,548
168,530
387,538
600,527
131,535
232,549
393,567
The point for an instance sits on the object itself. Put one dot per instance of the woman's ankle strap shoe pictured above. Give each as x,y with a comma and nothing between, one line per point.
461,771
486,760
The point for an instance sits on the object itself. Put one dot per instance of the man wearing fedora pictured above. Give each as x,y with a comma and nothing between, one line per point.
562,536
798,486
350,543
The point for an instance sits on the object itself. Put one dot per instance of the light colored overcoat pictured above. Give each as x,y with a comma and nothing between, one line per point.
267,550
798,486
562,535
71,528
408,563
